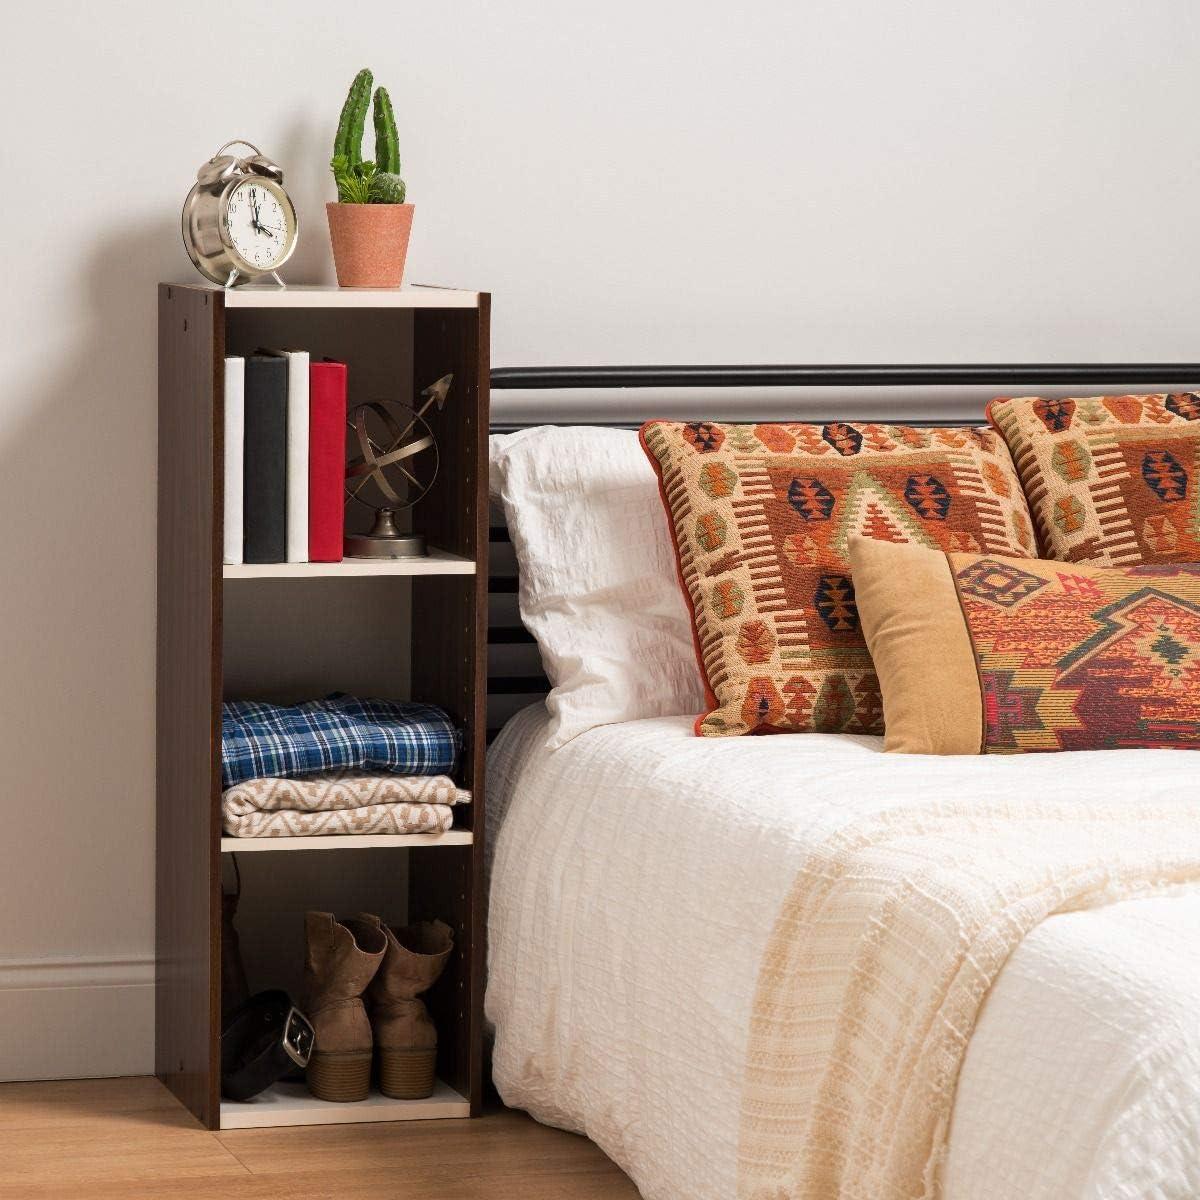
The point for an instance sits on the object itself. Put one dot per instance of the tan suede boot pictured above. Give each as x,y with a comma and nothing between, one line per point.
405,1036
341,960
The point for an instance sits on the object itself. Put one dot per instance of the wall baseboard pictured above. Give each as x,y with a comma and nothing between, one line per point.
76,1018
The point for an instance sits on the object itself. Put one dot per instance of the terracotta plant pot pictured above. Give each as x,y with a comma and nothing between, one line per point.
370,243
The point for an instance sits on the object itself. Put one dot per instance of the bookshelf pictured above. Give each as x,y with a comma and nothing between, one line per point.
396,342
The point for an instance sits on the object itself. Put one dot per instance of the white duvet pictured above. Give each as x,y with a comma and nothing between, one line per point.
637,873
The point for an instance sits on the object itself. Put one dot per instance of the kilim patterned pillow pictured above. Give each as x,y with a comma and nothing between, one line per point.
1109,478
1001,655
762,517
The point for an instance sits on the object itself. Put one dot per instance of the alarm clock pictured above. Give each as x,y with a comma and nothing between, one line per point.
238,222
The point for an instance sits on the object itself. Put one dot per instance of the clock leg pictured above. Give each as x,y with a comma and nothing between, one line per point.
275,276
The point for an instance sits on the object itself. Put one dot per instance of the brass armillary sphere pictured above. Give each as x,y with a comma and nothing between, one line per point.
395,466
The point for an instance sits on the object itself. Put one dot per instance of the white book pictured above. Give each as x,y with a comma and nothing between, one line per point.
297,454
235,443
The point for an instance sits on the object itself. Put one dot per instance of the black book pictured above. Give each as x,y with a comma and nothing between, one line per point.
264,512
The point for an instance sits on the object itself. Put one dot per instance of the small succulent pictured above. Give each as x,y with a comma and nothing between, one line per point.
362,181
353,181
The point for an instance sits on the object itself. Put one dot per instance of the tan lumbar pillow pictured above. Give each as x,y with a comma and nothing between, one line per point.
980,653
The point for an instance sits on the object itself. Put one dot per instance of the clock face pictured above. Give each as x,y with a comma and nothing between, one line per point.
258,224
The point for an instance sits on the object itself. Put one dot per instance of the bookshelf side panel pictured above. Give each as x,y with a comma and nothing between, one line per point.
449,667
187,928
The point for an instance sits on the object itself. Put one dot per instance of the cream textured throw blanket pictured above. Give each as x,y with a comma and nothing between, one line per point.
880,960
341,802
1081,1079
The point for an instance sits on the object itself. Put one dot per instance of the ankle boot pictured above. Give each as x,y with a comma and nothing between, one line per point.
405,1036
341,959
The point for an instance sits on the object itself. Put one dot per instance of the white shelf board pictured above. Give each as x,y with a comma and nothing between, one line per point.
306,295
292,1104
436,562
351,841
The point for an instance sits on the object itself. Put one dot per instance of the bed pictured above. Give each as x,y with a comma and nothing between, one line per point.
639,881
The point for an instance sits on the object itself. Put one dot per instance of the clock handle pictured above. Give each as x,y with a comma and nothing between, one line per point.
258,163
237,142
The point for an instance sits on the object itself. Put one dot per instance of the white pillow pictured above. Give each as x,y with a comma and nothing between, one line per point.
599,587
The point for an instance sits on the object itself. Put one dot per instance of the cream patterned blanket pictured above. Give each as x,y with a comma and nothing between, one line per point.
882,954
341,802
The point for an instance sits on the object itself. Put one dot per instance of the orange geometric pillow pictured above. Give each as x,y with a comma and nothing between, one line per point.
1111,479
762,517
984,654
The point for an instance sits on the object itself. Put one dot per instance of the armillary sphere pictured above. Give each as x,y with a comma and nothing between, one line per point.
396,465
397,460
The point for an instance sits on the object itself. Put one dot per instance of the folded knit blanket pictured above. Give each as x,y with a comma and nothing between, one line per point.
338,733
883,953
340,802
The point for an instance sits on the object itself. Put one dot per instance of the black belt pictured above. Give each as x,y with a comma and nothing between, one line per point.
261,1042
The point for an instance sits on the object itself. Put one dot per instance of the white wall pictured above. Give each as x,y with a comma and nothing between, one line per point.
831,181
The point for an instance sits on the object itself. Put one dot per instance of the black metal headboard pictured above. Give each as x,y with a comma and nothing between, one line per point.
1003,375
514,672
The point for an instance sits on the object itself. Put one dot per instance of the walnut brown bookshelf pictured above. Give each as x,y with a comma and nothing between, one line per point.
402,339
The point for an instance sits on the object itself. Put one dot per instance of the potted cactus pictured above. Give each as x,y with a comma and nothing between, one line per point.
369,224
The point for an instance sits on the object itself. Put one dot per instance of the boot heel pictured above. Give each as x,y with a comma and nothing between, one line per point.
340,1077
407,1074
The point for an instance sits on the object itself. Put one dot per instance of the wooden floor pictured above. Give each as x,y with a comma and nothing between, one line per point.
128,1139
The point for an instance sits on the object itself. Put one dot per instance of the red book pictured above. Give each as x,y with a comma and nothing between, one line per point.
326,460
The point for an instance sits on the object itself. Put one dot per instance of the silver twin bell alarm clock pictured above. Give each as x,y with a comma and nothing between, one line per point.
238,223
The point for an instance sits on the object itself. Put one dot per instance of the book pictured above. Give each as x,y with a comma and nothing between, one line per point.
235,428
264,498
326,460
297,455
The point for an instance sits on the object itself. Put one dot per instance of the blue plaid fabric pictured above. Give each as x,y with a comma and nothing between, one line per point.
337,733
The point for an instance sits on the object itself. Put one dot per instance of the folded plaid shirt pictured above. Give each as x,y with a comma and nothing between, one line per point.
338,733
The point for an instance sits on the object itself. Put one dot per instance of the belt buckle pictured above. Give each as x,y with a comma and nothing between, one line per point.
298,1037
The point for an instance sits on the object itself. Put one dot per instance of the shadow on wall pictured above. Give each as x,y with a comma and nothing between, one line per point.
77,641
302,152
78,467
